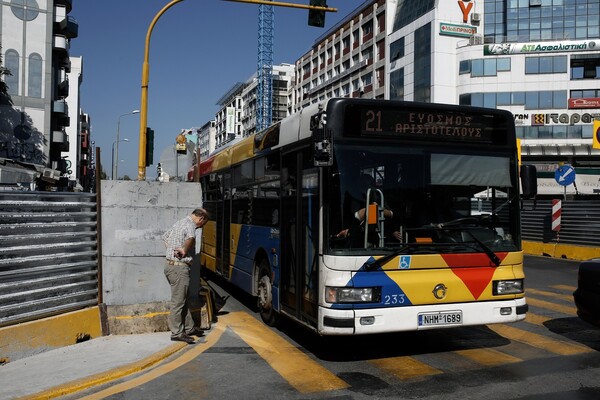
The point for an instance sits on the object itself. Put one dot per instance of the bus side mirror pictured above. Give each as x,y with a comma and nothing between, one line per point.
528,175
322,143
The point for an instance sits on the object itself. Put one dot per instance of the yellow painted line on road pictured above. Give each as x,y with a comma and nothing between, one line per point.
553,295
488,357
567,288
405,368
536,319
548,305
299,370
189,355
541,342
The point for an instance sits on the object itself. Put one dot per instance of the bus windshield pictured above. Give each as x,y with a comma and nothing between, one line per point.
421,200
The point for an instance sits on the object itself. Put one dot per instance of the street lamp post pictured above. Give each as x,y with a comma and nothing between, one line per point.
115,167
112,161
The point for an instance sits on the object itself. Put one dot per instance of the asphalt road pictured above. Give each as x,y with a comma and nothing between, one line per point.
551,355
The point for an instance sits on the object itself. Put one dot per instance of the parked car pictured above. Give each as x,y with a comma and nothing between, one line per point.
587,294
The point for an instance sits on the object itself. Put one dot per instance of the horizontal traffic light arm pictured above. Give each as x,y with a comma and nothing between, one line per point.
292,5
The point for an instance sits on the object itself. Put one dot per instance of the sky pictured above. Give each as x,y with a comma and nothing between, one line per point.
198,50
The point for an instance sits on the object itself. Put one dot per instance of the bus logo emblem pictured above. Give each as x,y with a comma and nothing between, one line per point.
439,291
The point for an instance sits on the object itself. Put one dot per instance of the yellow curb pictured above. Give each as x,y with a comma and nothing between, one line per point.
103,377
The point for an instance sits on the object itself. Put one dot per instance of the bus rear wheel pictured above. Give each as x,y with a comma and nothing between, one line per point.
265,295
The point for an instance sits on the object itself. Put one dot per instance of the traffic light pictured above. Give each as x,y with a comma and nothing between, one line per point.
317,17
149,146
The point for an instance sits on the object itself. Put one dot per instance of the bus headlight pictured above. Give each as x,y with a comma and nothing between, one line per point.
352,295
513,286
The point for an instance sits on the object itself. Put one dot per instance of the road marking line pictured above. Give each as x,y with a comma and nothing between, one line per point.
567,288
535,318
488,357
542,342
559,296
405,367
552,306
212,338
299,370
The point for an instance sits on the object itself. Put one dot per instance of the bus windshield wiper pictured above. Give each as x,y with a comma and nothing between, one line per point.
380,262
491,255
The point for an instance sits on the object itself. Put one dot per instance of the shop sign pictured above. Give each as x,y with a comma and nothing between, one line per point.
571,118
539,48
587,102
457,30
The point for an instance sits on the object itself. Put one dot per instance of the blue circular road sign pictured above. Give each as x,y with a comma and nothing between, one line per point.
565,175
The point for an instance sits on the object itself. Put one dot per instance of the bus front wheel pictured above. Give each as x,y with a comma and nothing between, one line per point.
265,295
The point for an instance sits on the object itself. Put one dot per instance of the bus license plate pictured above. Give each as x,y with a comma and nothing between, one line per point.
440,318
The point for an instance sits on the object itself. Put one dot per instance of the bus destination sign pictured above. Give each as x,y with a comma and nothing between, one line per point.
450,126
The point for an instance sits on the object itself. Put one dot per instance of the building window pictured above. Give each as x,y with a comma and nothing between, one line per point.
585,68
25,10
397,84
397,49
11,62
464,67
35,76
422,84
546,65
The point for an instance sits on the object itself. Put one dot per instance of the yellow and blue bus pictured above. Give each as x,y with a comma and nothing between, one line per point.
359,216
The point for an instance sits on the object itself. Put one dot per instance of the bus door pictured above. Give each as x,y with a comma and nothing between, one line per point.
299,236
223,241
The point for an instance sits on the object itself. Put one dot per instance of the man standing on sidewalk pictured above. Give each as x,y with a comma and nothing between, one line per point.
180,241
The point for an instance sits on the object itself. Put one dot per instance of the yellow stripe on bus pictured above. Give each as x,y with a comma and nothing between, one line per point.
405,367
541,342
304,374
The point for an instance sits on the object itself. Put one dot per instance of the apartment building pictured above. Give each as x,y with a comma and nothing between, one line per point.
539,59
347,61
38,128
236,117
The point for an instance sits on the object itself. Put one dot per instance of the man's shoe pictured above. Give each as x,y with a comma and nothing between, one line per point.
183,338
196,332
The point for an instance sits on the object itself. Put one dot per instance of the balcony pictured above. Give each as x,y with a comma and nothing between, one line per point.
61,112
63,88
68,4
68,27
61,44
60,140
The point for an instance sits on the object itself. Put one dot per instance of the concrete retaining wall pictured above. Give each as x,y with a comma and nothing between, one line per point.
135,214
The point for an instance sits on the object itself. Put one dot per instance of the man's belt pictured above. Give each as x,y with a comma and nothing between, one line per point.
171,262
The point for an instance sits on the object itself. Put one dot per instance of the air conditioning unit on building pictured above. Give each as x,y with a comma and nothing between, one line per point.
475,18
476,39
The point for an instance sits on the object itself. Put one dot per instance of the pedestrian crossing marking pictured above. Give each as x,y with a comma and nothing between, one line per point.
569,310
303,373
536,319
545,293
542,342
488,357
405,367
566,288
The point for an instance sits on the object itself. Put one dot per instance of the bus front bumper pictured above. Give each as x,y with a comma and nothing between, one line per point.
413,318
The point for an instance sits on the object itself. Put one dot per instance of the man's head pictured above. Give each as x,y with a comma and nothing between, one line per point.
200,217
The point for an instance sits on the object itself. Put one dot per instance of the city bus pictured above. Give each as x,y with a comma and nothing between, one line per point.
360,216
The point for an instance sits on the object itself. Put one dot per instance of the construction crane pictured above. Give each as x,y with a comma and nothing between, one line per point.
264,103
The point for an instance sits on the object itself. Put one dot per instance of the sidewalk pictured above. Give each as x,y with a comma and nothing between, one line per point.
77,367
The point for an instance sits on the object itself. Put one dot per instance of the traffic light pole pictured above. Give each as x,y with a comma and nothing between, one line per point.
281,4
144,100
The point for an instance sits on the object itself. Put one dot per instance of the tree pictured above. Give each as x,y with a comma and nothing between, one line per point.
5,98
